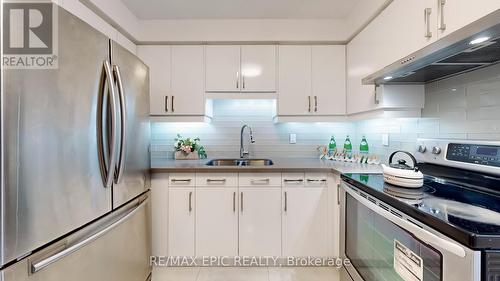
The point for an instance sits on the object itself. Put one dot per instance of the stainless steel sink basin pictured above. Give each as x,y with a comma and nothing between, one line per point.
240,162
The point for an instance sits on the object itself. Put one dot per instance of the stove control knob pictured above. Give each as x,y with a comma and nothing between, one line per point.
422,148
436,150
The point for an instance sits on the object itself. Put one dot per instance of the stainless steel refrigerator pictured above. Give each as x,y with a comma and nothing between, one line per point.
75,163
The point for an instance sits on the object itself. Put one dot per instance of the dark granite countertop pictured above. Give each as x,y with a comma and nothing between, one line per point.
280,164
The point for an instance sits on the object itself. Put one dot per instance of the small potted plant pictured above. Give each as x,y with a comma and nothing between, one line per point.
188,148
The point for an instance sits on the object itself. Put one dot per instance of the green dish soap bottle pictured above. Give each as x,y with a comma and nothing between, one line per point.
332,146
348,146
363,146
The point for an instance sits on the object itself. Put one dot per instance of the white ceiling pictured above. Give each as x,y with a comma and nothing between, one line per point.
240,9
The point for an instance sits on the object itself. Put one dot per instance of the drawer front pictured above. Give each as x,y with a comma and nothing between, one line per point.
217,179
259,179
315,179
292,179
181,179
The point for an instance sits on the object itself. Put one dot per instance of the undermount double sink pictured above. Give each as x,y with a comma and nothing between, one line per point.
240,162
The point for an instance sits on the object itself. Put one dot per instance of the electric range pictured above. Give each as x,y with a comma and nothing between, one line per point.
447,230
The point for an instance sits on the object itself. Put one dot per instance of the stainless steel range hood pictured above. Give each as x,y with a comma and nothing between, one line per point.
474,46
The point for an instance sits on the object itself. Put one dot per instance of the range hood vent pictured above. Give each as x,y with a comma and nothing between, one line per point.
472,47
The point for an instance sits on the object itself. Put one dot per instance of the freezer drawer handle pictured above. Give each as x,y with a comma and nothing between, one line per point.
37,266
123,130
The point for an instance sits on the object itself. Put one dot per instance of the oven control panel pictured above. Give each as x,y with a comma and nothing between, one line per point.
488,155
474,155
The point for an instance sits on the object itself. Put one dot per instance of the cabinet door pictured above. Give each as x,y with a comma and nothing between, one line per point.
294,80
456,14
405,22
158,58
181,222
188,76
159,213
260,221
305,213
258,68
222,68
328,80
216,221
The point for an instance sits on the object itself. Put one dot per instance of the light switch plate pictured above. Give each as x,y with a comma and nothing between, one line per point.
293,138
385,139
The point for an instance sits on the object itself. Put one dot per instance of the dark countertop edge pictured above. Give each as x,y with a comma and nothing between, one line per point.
466,238
240,169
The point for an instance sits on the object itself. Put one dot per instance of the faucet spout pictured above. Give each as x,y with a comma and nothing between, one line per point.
244,152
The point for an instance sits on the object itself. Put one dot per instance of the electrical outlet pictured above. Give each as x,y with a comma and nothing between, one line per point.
385,139
293,138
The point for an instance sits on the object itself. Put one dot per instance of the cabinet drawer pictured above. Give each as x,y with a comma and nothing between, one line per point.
259,179
315,179
292,179
181,179
216,179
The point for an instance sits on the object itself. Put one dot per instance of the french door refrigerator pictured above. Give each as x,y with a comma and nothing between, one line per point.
75,163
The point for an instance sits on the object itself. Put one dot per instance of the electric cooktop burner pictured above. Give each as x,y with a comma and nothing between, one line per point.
452,202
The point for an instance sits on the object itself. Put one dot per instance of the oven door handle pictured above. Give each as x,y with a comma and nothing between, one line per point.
417,231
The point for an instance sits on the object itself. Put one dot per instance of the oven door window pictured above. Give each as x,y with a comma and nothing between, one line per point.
371,246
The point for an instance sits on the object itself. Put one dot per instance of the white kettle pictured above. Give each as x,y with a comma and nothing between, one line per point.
400,174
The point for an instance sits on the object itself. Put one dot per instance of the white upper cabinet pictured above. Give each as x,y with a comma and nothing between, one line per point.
222,68
258,68
402,28
176,79
455,14
187,96
328,80
250,68
311,80
158,58
294,80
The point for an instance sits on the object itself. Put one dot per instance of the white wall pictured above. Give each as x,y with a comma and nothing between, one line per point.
83,12
242,30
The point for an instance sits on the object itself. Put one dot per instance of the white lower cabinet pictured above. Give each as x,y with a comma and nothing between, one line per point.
216,221
260,221
246,214
181,221
305,221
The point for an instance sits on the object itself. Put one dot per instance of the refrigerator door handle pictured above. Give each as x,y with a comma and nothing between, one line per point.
34,267
107,170
123,130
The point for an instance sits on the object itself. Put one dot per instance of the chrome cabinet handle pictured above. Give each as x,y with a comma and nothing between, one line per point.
338,194
293,181
442,24
34,267
243,77
316,180
260,181
309,101
315,103
234,202
241,202
237,79
108,171
172,103
166,103
427,19
180,180
123,131
190,201
216,180
417,231
286,201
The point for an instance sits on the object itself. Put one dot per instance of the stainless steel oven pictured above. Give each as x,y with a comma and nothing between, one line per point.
383,243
